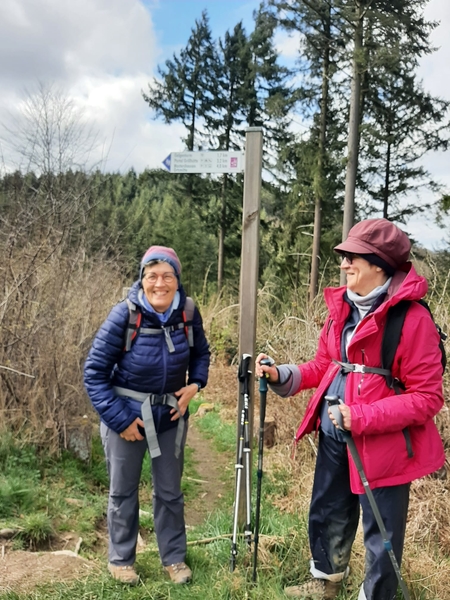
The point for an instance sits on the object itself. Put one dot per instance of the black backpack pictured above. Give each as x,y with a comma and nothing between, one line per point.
391,337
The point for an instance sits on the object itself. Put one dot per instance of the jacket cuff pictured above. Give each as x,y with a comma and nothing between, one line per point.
289,381
197,383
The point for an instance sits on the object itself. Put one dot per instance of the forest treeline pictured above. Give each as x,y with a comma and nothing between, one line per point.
121,215
345,128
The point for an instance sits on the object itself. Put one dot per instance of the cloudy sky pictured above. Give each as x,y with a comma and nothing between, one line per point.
102,53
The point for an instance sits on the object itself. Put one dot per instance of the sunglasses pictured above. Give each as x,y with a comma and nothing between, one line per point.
350,256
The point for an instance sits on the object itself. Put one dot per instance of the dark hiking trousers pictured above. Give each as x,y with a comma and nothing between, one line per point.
334,515
124,463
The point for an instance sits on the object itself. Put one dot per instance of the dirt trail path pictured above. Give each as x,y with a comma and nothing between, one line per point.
23,571
213,469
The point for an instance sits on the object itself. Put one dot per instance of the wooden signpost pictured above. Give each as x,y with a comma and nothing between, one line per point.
235,162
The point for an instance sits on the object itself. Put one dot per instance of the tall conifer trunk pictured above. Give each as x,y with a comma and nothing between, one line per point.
387,177
320,175
353,126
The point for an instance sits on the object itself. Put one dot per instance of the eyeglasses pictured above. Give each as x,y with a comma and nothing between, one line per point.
166,277
350,256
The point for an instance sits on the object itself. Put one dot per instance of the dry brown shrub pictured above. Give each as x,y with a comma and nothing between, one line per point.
428,522
288,333
50,308
220,314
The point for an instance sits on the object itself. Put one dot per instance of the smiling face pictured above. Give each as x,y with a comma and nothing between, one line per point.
362,276
160,285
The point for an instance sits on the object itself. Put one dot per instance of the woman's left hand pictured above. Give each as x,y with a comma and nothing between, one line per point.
346,417
184,396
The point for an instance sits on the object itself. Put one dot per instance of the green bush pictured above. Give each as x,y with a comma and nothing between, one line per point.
37,529
16,496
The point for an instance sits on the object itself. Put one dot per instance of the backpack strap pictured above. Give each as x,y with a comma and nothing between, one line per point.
148,400
393,328
442,336
355,368
188,315
391,338
134,324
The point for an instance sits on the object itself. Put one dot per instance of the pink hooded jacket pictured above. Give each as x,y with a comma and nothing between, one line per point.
378,415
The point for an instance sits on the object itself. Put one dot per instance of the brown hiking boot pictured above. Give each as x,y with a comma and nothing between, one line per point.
125,574
179,572
315,589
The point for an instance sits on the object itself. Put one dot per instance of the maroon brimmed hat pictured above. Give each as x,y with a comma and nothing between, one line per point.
379,237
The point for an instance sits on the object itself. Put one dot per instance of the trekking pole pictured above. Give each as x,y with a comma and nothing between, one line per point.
245,374
243,448
333,402
262,417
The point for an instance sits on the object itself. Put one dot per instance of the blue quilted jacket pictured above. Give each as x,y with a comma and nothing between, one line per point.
148,367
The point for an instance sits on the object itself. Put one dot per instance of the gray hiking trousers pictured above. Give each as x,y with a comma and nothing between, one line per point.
124,464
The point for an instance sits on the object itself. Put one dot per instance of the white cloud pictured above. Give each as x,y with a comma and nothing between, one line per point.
116,107
102,53
62,38
435,68
423,229
288,44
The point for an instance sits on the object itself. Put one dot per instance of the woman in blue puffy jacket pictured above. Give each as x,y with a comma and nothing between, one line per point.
148,360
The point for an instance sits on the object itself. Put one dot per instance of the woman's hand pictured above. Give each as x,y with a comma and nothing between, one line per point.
131,433
346,417
262,369
184,396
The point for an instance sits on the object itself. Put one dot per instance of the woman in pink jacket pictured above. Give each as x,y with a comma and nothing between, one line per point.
395,434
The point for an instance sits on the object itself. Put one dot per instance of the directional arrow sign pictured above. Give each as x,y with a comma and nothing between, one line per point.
214,161
166,162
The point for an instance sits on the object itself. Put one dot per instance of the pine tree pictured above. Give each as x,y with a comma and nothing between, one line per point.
401,123
228,125
250,92
318,55
270,97
185,89
388,40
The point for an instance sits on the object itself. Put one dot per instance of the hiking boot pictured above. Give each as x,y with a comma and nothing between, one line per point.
179,572
125,574
315,589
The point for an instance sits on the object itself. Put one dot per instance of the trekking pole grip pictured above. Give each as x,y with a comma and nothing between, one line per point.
268,362
333,404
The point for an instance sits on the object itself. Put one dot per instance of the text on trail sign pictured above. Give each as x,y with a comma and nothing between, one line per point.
214,161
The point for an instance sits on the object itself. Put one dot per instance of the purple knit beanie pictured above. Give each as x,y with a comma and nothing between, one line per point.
168,255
